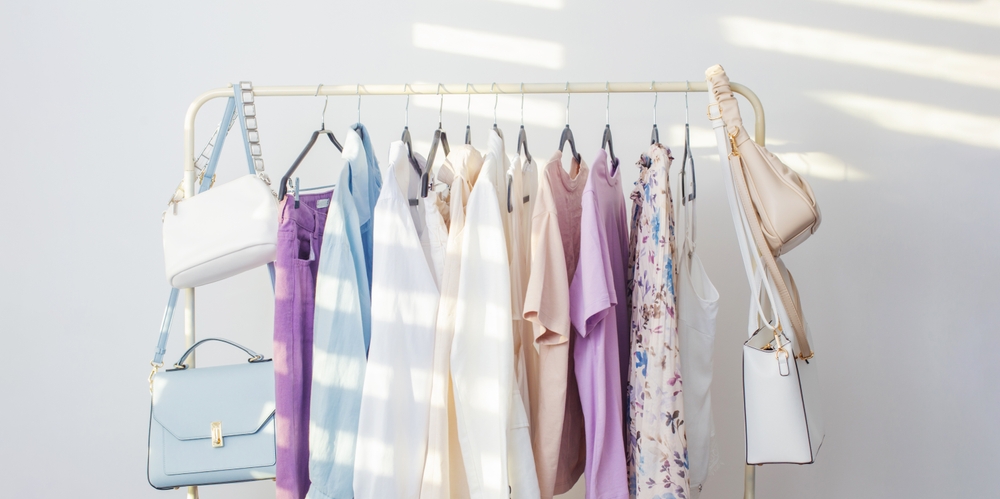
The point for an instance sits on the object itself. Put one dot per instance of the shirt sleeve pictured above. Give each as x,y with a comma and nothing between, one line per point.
339,357
592,288
546,302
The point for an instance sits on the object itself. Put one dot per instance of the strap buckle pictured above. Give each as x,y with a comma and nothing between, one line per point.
717,108
156,367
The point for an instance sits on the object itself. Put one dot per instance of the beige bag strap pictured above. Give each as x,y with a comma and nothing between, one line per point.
770,263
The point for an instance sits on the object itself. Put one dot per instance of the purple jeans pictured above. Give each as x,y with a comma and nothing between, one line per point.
300,234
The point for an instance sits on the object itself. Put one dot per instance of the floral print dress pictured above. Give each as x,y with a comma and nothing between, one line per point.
656,450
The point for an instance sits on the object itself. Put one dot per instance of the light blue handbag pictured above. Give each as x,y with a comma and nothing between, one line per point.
211,425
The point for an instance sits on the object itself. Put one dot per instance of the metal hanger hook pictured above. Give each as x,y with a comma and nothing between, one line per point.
468,107
567,103
406,112
357,91
440,104
656,99
522,104
496,99
687,89
607,108
322,116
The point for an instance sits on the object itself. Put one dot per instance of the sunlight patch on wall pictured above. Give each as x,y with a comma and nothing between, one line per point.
476,43
539,4
919,60
917,118
814,164
984,12
821,165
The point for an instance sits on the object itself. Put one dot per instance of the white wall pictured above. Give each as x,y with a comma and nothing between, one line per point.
895,104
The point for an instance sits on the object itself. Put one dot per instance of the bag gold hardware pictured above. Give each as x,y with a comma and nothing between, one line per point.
217,434
156,367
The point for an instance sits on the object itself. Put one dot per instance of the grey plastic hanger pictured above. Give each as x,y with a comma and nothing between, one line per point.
468,116
440,138
522,137
496,99
406,135
567,134
655,137
607,141
688,154
283,188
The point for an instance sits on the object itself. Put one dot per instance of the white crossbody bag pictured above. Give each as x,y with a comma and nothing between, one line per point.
780,389
231,228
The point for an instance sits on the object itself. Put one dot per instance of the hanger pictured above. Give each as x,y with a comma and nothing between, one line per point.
406,135
468,117
440,137
283,189
567,134
655,137
685,197
496,99
522,137
607,141
522,142
357,91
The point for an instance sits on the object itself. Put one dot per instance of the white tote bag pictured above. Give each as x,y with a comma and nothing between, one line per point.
228,229
780,389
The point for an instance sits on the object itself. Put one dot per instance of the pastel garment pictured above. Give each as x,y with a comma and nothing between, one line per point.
395,400
444,471
523,178
523,480
557,419
482,355
656,454
697,307
300,235
598,309
342,324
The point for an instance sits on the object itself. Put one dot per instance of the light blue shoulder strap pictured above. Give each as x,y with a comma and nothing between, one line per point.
253,162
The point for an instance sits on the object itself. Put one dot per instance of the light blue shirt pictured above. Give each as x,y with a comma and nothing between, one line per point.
342,321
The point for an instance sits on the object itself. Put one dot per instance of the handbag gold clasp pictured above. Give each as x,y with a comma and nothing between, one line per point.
216,433
735,148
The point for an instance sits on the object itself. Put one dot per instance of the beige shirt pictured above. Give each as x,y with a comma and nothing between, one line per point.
556,415
444,472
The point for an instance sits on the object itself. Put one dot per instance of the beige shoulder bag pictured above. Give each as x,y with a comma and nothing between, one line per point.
786,210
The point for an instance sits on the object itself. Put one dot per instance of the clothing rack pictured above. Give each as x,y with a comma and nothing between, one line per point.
439,89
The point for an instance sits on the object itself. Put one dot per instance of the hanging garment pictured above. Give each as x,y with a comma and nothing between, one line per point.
697,306
482,355
523,177
395,401
597,305
444,471
342,325
657,449
557,418
300,235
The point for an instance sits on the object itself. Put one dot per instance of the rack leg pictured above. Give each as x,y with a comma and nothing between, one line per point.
189,338
749,481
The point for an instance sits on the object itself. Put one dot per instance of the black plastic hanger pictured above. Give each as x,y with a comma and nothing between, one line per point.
440,139
283,188
685,197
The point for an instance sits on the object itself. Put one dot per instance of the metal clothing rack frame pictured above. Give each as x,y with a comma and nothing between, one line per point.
190,173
